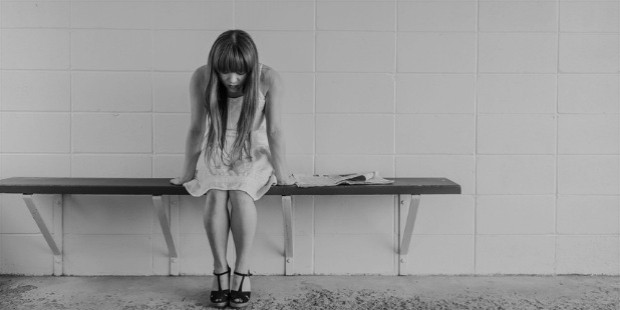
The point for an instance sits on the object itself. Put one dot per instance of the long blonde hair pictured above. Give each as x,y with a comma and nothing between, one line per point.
232,51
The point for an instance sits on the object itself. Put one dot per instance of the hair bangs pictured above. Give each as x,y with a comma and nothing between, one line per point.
232,59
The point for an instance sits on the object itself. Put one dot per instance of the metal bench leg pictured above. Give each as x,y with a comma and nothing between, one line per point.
289,245
57,227
411,202
165,227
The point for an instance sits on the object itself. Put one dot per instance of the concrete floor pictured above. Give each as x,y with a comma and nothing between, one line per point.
316,292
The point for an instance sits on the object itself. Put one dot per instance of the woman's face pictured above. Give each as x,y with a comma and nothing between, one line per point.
233,81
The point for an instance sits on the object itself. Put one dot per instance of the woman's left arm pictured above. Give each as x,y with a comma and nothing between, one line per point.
275,134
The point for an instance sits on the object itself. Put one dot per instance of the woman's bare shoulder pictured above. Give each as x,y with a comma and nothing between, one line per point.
269,76
200,76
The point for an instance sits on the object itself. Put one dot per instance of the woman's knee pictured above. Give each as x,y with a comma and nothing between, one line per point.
238,197
216,199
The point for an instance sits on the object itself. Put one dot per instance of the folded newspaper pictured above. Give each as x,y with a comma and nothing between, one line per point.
304,180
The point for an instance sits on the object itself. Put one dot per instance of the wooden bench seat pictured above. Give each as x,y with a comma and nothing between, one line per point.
407,189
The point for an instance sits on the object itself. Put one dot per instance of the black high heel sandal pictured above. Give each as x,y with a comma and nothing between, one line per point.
219,298
238,298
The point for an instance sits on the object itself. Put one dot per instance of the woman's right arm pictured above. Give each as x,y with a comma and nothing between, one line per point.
196,130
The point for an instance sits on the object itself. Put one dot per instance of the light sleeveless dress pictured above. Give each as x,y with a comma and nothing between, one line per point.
251,175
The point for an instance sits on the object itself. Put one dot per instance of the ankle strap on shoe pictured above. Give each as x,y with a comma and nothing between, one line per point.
242,278
244,275
223,273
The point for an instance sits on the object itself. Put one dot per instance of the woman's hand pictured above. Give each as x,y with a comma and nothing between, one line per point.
286,180
180,180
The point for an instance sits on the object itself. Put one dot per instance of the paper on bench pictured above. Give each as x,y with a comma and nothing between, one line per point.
304,180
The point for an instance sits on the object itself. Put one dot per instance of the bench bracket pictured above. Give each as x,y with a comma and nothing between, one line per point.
162,210
56,226
407,204
289,245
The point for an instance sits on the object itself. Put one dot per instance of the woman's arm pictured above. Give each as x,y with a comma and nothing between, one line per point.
275,135
196,131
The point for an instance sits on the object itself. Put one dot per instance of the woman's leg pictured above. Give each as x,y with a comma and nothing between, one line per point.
217,225
243,226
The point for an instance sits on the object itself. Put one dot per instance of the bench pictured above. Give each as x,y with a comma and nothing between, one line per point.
407,189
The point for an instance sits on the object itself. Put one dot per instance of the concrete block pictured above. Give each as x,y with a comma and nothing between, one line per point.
589,16
589,53
35,90
588,134
104,214
160,258
301,163
436,52
517,52
515,215
445,214
111,91
515,254
270,218
26,255
354,215
299,93
588,93
202,15
16,219
354,254
351,52
441,254
344,134
33,165
167,56
304,255
112,166
426,93
108,255
437,16
298,133
40,49
506,174
361,16
35,14
108,14
588,175
111,133
304,215
275,15
194,254
586,215
267,255
518,16
435,134
516,134
354,93
169,132
191,211
109,49
35,132
168,166
330,164
588,255
458,168
517,93
171,92
291,51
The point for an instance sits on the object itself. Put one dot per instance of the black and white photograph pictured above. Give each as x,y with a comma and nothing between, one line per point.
310,154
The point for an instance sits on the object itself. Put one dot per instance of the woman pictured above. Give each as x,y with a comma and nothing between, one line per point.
241,156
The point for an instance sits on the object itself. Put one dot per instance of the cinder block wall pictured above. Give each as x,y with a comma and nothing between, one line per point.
518,101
